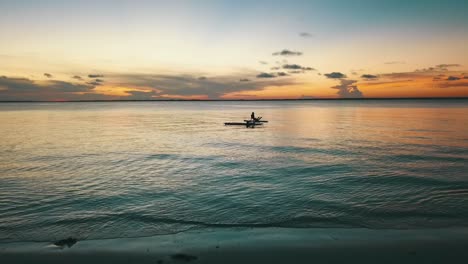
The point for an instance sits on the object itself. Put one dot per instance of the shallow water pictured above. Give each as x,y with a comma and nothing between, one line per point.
129,169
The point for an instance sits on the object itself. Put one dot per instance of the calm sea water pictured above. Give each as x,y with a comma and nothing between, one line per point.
129,169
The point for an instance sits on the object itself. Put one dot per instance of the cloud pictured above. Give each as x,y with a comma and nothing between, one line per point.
369,76
286,52
297,67
96,82
186,86
76,77
348,89
141,95
453,78
202,78
282,74
430,69
452,84
275,68
305,35
17,85
292,66
335,75
48,75
447,65
263,62
405,75
419,80
92,76
66,87
438,68
23,89
265,75
143,86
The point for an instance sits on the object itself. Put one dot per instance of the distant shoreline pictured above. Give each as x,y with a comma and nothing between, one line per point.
250,100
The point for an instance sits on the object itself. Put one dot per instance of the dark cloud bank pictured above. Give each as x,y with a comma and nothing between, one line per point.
23,89
154,86
158,87
187,85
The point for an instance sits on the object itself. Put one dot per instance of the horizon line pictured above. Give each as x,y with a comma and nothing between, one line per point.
237,100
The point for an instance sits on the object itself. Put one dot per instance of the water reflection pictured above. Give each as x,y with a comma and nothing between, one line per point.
100,169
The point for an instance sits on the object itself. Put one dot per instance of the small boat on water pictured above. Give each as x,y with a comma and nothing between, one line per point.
243,123
247,123
258,121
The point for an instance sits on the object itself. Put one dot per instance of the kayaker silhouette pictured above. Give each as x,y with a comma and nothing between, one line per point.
252,116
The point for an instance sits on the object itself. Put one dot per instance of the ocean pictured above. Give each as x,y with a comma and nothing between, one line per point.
98,170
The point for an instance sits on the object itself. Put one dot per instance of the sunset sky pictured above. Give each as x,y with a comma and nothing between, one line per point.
111,50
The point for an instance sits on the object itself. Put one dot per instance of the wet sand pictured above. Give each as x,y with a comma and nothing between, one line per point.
259,245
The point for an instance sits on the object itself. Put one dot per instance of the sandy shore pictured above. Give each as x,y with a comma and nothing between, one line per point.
259,245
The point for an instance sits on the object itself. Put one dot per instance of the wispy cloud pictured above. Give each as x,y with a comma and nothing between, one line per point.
442,66
369,77
265,75
435,78
141,95
438,68
305,35
96,82
286,52
297,67
92,76
452,85
48,75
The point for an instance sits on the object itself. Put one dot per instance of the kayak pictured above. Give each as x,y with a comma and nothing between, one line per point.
242,124
261,121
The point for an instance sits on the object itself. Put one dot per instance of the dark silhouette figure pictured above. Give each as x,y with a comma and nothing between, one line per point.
252,116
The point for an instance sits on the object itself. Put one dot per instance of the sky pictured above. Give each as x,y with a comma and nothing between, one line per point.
54,50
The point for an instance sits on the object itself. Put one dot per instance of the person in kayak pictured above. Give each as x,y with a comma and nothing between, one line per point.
252,116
